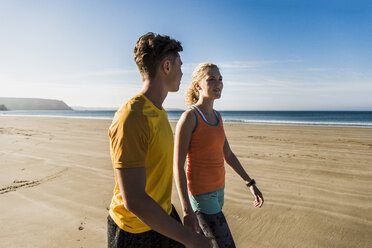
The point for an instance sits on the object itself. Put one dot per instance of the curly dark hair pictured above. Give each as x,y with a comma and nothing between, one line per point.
151,49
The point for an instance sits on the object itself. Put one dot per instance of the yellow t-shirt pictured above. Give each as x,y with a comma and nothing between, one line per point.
140,136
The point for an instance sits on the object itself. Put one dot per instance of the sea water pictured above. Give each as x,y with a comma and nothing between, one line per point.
299,118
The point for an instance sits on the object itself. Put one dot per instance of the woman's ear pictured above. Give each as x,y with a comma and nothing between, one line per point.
197,86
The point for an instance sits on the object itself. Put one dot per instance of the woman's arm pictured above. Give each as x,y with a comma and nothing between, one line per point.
234,163
183,134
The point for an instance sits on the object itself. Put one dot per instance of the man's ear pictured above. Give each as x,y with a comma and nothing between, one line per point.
166,66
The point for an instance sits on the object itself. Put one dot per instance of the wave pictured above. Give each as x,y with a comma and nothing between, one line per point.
300,123
108,115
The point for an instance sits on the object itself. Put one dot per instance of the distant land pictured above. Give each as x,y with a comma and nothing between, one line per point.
12,103
2,107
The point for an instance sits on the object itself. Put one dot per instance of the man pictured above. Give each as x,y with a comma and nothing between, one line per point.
141,146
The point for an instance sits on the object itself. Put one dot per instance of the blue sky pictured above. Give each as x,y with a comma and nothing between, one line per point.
274,55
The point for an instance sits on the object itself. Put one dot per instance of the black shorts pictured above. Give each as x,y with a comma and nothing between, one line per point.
118,238
217,225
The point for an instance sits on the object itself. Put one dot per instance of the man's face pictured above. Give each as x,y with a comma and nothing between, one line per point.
175,75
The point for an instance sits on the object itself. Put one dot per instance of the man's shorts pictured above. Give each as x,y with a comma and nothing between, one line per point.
208,203
118,238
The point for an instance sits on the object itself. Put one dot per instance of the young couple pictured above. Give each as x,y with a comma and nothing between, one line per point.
144,156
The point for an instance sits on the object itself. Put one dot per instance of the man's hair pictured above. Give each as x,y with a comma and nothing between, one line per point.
151,49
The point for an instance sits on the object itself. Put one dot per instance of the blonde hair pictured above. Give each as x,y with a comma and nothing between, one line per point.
192,94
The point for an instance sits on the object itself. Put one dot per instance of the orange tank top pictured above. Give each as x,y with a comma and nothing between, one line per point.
205,160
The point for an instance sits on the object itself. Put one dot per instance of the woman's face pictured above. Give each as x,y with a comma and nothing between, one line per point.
211,85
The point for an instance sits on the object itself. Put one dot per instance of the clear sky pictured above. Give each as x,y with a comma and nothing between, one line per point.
273,55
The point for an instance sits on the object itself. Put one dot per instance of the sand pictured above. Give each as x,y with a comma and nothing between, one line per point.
56,182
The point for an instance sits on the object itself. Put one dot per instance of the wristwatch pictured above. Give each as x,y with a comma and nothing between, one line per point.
252,182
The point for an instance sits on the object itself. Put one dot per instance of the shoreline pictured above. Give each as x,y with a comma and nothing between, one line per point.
233,122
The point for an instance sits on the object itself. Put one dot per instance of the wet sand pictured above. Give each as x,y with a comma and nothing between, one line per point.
56,182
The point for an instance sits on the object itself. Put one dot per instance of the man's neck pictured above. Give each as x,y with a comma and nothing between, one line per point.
155,92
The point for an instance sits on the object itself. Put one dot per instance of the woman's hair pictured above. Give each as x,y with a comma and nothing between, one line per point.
192,94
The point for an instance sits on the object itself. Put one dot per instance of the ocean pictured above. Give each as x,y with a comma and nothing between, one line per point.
361,119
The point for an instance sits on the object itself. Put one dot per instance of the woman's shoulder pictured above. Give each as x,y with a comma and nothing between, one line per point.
218,114
188,119
189,115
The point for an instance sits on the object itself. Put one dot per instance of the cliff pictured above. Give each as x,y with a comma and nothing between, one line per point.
3,107
11,103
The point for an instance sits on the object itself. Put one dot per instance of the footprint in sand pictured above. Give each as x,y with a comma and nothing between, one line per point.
20,181
82,225
19,184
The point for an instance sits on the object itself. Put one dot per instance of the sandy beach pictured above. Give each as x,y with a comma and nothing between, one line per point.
56,182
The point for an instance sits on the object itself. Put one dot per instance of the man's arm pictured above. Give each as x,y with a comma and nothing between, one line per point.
132,182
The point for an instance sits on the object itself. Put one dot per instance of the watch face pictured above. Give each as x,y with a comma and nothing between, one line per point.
252,182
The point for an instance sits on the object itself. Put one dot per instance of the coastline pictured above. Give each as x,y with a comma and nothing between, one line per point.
56,183
226,121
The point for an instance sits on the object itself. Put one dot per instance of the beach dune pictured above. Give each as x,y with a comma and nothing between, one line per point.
56,183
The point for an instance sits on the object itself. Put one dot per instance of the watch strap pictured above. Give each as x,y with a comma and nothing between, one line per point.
252,182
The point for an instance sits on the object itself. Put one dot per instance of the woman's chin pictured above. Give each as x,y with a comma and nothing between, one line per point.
217,96
214,96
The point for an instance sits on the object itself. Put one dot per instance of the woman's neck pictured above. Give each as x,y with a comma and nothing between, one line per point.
205,105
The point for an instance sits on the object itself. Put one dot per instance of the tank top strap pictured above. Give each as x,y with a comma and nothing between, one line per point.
196,118
203,117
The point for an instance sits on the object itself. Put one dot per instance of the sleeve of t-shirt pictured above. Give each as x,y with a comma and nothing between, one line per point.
129,139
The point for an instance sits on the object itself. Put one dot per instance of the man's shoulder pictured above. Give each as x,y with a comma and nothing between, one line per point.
132,108
130,112
134,105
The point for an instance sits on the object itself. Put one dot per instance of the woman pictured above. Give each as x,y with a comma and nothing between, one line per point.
200,136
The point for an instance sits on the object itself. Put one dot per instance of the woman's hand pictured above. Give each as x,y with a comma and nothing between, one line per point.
191,221
258,198
200,241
